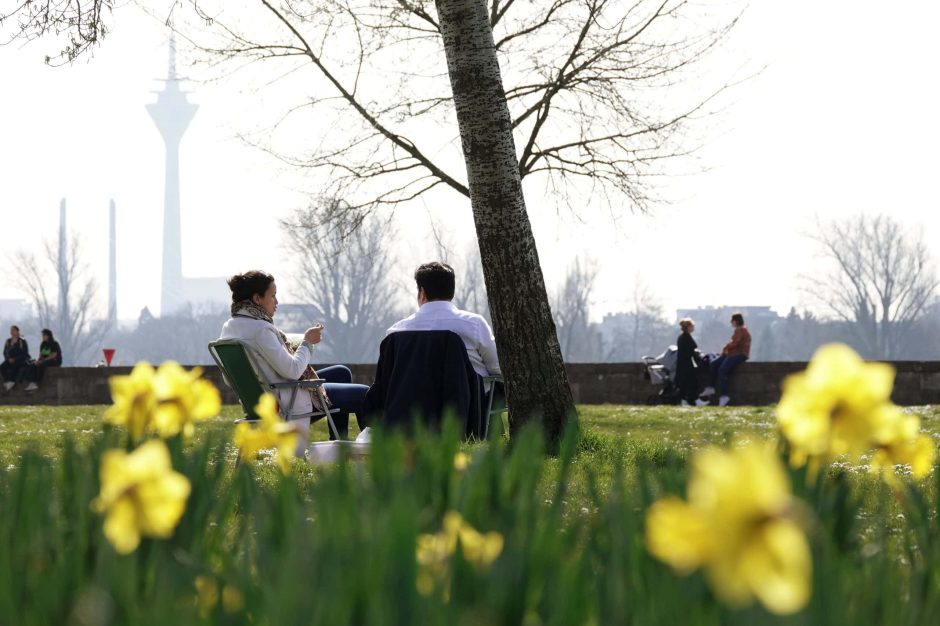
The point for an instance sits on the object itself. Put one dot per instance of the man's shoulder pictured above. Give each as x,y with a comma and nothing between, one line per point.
401,324
469,315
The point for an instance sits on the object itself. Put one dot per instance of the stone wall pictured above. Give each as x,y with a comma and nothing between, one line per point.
755,383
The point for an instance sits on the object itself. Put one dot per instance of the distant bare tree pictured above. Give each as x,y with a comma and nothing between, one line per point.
181,336
345,276
69,310
470,294
648,318
601,92
81,22
572,311
470,288
641,330
880,279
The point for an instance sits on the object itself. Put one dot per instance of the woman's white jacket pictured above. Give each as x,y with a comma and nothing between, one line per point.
274,361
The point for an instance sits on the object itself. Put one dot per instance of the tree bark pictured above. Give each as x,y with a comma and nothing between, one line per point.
536,383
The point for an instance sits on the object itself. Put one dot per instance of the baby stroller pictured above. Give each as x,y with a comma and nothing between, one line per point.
661,371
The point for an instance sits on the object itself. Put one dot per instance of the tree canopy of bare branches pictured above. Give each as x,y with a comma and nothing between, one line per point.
880,278
68,310
601,92
80,22
572,309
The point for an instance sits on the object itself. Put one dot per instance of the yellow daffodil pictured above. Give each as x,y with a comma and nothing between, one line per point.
841,406
232,599
433,552
207,594
737,525
167,400
182,398
271,432
134,400
461,461
140,495
899,442
835,406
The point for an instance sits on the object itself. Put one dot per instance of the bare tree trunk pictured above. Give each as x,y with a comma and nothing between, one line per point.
529,354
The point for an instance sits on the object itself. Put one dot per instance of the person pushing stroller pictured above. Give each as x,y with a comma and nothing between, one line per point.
687,363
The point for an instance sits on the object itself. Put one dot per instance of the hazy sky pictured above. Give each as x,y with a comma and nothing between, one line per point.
843,119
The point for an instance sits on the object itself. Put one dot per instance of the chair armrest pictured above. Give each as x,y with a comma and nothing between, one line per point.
300,384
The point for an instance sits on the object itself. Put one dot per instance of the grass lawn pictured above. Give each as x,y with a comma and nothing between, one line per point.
612,435
612,432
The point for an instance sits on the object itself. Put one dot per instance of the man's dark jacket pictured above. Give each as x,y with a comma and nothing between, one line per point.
423,374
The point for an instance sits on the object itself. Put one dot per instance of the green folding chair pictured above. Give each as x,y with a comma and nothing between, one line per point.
242,374
493,417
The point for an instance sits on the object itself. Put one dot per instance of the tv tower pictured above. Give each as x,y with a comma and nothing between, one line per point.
172,114
62,266
112,268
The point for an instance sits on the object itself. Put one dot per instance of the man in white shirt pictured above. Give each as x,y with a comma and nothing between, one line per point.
436,312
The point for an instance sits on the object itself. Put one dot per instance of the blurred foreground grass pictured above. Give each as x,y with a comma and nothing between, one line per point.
338,545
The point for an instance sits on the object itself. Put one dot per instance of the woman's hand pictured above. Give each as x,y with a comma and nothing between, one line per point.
312,336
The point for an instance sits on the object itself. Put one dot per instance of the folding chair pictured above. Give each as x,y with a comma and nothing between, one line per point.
490,413
242,374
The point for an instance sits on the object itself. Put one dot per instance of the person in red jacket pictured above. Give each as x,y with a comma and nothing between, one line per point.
735,352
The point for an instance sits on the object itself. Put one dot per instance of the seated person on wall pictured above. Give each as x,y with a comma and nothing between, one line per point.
436,284
15,358
735,352
254,302
50,355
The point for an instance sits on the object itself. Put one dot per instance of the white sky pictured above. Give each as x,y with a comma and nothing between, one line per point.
844,119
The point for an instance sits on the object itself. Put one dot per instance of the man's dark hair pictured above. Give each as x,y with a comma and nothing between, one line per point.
437,280
15,327
737,317
47,333
245,285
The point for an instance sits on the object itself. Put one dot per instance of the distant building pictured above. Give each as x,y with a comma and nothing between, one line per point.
628,336
753,315
14,309
713,327
207,292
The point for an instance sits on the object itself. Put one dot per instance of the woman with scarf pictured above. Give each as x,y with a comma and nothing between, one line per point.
254,302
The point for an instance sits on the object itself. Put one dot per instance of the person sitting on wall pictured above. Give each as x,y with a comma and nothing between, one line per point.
15,358
50,355
735,352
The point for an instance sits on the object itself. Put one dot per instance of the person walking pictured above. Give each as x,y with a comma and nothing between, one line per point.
687,363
